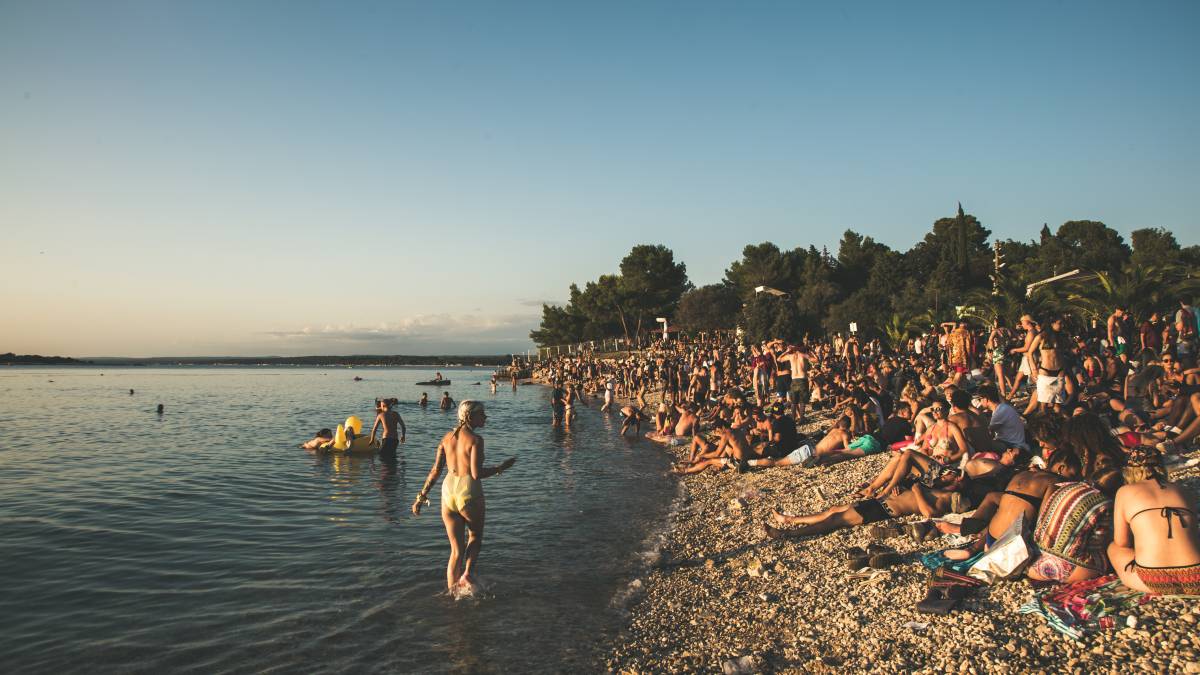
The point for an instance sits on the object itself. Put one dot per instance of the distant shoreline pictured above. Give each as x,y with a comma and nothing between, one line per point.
441,361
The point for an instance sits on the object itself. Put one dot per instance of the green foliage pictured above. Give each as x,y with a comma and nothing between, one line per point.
767,316
649,285
889,294
1154,246
712,307
764,265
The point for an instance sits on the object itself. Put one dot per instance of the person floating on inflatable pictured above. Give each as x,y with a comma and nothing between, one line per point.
321,438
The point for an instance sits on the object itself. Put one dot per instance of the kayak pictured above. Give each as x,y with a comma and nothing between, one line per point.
434,383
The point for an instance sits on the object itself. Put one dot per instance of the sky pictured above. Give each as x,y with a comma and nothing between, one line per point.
253,178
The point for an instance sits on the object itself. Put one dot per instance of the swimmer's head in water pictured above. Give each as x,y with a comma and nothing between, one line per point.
325,433
470,413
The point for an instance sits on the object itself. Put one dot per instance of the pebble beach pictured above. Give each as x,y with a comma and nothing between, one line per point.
724,598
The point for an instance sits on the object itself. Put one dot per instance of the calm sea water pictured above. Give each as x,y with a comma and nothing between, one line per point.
205,541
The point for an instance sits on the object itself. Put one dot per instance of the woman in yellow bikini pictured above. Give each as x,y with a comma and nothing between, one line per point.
463,508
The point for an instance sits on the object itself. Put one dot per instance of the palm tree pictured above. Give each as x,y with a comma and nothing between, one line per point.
1007,302
897,330
1141,290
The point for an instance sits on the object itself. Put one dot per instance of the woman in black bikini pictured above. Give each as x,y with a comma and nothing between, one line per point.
1156,545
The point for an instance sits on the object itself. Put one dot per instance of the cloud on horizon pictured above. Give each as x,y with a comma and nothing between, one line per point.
539,303
417,334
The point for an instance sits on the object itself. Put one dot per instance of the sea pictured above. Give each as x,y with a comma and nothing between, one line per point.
204,540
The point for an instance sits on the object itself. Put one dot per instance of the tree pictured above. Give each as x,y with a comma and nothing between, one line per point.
1079,244
896,331
1154,246
762,265
560,325
650,286
766,317
856,258
1139,289
708,308
953,257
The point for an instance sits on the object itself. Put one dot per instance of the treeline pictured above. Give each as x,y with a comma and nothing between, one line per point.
955,270
352,360
11,359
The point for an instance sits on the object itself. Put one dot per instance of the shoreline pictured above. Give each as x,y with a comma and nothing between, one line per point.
720,591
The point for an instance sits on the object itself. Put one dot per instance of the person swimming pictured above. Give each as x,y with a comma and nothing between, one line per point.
320,438
463,504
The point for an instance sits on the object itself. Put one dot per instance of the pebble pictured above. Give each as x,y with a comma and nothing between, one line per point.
810,614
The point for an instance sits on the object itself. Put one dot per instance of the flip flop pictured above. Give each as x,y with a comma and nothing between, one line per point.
942,600
883,531
857,558
921,531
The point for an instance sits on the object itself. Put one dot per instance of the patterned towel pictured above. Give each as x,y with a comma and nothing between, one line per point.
1085,607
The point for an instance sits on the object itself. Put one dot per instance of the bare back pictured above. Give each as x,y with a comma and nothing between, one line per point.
463,452
1139,511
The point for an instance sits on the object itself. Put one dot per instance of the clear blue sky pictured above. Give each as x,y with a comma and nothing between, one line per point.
303,177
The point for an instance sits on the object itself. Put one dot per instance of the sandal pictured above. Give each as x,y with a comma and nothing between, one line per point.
856,558
883,531
942,600
921,531
882,557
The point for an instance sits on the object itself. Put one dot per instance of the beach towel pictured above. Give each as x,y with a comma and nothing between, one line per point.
1079,609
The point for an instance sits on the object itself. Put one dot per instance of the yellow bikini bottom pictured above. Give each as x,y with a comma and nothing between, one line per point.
458,491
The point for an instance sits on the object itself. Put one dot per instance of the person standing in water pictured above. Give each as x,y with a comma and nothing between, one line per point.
389,419
463,508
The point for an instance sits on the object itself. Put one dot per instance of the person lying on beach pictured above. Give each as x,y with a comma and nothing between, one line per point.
1021,498
1156,545
632,419
835,440
731,450
320,438
916,500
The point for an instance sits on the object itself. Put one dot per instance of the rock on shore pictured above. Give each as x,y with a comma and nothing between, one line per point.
725,599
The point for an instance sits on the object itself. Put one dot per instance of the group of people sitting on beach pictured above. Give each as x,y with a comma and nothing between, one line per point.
1084,464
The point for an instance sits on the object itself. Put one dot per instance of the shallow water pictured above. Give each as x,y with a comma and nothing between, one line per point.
204,540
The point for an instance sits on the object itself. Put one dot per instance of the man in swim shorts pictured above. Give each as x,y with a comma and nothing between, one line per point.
916,500
558,407
390,420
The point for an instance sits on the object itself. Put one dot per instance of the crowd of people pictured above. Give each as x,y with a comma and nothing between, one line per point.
1065,427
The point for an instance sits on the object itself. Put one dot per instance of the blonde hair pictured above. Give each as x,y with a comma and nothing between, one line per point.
465,410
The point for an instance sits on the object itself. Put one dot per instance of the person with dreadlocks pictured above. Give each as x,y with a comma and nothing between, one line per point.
1155,547
461,453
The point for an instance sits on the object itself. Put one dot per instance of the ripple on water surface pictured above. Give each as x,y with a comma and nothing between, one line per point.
202,540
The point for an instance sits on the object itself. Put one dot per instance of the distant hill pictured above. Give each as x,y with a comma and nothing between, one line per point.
350,360
11,359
